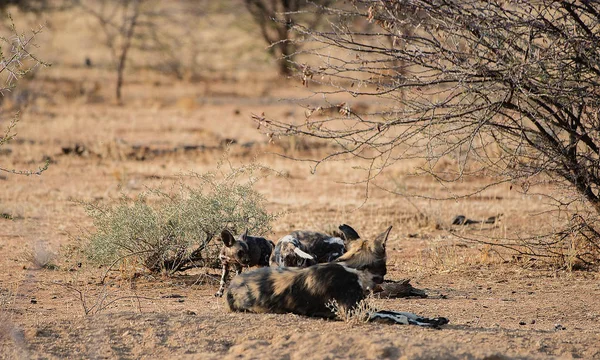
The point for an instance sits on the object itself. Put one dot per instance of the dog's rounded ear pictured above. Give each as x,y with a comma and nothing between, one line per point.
349,233
227,238
382,238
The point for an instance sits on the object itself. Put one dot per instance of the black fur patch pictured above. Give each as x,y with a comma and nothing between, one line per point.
260,250
325,248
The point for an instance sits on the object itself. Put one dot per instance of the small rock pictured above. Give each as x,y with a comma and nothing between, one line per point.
33,301
173,296
522,323
190,312
533,321
558,327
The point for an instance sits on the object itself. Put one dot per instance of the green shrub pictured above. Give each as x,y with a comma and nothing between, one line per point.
174,231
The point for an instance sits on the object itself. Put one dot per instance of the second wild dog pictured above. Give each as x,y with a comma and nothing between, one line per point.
298,249
290,252
246,251
326,248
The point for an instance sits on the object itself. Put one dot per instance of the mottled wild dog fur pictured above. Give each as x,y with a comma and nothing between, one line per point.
290,252
308,291
324,247
246,251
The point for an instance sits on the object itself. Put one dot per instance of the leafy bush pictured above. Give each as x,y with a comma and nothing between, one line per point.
174,231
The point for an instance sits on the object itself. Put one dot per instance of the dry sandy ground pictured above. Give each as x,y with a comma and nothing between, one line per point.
498,308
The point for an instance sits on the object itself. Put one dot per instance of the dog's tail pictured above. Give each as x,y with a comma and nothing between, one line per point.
406,318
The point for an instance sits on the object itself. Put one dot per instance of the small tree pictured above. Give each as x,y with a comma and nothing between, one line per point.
159,29
507,89
276,19
16,61
171,232
119,21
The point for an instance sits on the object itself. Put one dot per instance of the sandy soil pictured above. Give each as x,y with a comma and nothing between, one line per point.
499,307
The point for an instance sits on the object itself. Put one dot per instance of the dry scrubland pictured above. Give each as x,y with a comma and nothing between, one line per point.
499,306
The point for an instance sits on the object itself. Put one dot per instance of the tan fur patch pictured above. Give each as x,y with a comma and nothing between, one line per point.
363,252
283,281
355,247
254,288
290,302
313,285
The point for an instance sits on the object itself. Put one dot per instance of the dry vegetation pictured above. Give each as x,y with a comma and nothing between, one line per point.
52,301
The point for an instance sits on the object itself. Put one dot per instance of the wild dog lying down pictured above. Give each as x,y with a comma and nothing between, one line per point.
246,251
326,248
294,250
290,252
310,291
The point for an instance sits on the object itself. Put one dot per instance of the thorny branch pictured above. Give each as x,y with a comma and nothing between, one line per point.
15,63
507,90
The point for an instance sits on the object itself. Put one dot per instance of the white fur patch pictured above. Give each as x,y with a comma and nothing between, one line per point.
334,240
365,278
287,238
302,254
397,318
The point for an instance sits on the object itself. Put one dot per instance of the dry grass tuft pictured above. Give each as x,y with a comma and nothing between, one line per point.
360,314
40,257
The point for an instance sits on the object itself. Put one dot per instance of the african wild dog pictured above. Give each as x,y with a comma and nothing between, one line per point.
246,251
324,247
299,248
290,252
309,291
